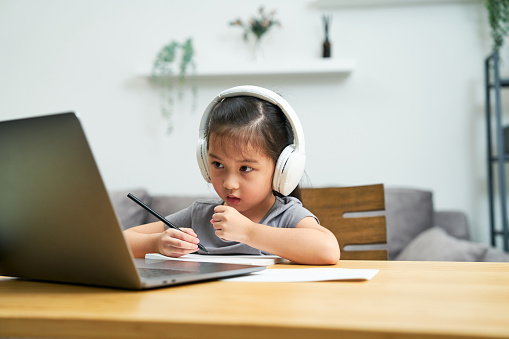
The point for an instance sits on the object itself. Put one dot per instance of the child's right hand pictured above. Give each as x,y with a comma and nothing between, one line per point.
174,243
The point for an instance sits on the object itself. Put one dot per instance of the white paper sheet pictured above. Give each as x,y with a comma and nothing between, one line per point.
307,274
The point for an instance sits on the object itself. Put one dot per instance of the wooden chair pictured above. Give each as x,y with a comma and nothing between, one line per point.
330,205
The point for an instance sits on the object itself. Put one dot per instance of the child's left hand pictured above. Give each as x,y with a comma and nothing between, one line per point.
230,224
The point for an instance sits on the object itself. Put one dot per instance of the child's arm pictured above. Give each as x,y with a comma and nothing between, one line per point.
153,238
308,243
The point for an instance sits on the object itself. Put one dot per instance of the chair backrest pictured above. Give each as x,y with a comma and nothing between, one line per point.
330,204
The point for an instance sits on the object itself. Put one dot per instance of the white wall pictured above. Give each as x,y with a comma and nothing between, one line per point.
410,114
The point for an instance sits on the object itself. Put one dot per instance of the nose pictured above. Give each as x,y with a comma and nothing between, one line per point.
231,182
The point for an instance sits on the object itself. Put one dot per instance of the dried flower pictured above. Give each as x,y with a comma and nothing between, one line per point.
258,26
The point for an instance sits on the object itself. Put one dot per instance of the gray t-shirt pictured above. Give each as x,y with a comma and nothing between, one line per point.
286,212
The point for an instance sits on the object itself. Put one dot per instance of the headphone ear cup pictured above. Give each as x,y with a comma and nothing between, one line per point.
203,159
279,168
289,170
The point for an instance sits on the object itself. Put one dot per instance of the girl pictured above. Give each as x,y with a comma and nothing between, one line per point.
246,151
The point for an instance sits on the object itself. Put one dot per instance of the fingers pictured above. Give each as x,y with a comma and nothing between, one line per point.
222,208
175,243
186,239
220,220
230,224
189,231
221,214
216,221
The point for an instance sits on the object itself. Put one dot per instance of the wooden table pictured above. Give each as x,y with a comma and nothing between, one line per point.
405,299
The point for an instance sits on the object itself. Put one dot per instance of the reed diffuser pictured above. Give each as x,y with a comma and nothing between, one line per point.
326,44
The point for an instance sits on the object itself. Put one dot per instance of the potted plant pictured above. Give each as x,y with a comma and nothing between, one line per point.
498,16
257,26
169,70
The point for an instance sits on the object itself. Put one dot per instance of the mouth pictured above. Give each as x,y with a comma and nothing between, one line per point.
232,200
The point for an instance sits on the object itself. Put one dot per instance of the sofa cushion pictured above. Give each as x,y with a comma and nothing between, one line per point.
453,222
493,254
128,212
408,212
435,244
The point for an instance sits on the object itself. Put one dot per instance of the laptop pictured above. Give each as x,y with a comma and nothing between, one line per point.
57,222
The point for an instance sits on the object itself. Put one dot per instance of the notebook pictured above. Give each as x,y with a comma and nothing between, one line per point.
57,222
259,260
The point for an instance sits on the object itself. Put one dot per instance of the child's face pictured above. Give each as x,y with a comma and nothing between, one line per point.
242,178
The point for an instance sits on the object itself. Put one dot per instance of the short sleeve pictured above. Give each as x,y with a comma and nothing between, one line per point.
182,218
287,212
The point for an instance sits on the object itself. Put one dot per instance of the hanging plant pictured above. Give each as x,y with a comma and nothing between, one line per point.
498,16
170,70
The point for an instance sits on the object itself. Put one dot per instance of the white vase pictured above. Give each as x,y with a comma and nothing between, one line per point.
258,51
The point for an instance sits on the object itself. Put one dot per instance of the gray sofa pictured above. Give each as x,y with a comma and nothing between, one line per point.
415,230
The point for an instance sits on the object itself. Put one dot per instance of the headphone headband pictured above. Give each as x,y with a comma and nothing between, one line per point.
290,165
260,93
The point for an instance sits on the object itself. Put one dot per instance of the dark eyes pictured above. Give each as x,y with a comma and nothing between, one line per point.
217,164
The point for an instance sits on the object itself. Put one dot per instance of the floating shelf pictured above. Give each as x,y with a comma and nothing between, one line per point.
380,3
276,68
308,67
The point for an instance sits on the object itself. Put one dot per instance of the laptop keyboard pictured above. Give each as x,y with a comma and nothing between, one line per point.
157,272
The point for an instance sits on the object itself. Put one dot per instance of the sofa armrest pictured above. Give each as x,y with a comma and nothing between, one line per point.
129,213
453,222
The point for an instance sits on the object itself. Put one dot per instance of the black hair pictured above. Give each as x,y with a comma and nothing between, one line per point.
246,120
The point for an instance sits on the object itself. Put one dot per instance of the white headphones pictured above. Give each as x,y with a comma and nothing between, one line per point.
291,162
